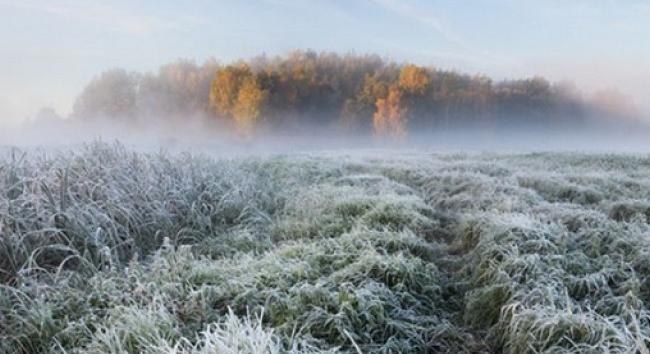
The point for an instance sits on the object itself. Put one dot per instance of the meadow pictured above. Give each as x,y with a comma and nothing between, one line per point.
105,249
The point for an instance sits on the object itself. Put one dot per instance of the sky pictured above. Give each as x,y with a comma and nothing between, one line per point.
50,49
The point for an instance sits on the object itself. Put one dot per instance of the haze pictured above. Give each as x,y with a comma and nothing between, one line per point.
303,177
50,50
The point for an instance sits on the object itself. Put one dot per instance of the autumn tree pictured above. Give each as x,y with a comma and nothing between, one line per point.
364,94
413,79
390,115
247,108
225,88
363,104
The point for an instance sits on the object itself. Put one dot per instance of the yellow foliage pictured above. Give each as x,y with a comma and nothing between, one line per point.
248,106
413,79
225,88
390,117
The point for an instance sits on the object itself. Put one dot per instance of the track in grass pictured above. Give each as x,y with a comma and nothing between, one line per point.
104,249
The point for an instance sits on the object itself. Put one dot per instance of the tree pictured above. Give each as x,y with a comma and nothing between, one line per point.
413,79
248,106
225,89
111,95
178,90
390,117
305,88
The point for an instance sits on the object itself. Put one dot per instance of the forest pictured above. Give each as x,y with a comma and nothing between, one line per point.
360,94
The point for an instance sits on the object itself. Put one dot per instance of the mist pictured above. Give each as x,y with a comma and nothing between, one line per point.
308,101
219,140
285,176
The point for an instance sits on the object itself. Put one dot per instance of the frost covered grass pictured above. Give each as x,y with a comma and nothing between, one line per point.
107,250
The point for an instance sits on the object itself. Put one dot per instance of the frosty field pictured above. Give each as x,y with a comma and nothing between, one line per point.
108,250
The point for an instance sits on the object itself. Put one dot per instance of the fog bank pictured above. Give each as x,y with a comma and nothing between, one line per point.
213,138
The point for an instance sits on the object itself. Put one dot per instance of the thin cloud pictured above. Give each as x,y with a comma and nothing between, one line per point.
467,52
109,17
435,23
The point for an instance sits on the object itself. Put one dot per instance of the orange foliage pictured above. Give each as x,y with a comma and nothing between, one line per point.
413,79
390,117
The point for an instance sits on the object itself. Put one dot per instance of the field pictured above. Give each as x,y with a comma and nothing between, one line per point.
108,250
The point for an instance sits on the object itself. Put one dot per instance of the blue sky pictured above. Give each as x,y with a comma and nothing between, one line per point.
50,49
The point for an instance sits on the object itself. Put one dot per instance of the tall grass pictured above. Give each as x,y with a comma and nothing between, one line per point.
108,250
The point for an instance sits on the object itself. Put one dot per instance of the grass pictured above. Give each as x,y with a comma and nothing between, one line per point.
107,250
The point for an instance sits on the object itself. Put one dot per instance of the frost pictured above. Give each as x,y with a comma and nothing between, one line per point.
104,249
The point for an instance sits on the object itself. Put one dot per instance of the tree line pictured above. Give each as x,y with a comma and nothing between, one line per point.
356,93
